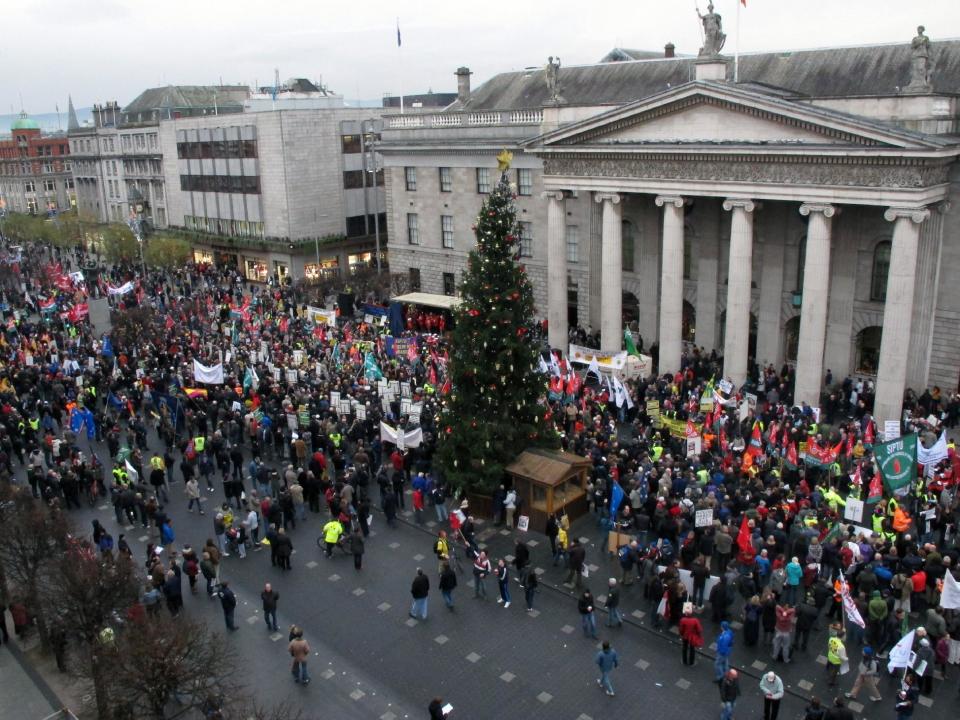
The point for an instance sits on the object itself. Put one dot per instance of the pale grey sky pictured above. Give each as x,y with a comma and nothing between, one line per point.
101,50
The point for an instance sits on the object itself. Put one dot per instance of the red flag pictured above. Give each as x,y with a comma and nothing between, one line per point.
724,445
857,478
445,390
432,376
743,537
691,429
412,351
876,488
849,449
792,458
869,435
755,447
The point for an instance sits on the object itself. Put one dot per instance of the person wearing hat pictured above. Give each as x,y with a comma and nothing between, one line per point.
772,688
691,633
867,673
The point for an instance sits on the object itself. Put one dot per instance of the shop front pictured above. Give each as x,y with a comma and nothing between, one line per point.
255,269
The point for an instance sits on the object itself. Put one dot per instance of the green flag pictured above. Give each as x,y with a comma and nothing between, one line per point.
897,461
628,342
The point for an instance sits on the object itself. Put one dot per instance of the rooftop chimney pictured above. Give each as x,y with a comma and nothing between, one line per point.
668,50
463,84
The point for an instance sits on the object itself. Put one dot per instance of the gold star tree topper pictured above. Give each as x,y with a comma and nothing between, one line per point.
504,159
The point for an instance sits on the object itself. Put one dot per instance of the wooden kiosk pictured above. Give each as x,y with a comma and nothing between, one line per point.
549,481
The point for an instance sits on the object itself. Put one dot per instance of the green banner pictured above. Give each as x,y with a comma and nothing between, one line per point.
897,461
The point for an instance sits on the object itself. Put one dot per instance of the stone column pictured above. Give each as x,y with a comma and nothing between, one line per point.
557,331
671,284
898,312
707,263
595,280
739,274
813,312
924,300
611,293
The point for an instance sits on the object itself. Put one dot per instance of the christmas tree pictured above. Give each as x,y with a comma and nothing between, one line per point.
495,409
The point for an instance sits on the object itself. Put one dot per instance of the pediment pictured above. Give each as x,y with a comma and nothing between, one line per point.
718,113
711,122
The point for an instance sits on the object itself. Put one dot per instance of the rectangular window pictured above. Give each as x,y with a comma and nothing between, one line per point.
414,279
410,174
446,180
449,284
526,239
351,144
483,180
524,181
413,228
352,179
446,230
573,240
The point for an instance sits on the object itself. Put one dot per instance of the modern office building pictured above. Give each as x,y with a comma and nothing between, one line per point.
118,170
799,207
286,189
35,170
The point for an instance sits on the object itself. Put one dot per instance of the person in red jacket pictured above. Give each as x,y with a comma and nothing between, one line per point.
691,632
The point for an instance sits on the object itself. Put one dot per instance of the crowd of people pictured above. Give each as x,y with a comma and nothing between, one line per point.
287,425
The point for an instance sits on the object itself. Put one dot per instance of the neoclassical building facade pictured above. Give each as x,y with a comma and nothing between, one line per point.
805,214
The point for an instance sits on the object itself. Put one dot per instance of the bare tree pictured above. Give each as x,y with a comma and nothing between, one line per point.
94,592
33,537
167,667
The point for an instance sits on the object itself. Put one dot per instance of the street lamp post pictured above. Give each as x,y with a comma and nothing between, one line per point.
376,197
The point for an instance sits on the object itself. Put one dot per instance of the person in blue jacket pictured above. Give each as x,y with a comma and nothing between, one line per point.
724,648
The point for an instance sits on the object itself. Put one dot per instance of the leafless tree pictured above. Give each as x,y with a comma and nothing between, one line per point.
33,537
92,594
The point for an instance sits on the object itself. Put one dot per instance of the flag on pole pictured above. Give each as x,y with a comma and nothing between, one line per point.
849,606
755,447
876,488
901,652
616,497
628,342
398,36
370,368
131,472
593,367
950,596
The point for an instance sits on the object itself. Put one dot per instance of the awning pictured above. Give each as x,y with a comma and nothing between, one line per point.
444,302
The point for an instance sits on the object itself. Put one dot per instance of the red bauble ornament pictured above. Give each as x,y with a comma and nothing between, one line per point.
449,429
515,295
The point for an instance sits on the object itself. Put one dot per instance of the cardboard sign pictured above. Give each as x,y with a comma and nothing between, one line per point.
298,357
334,398
276,374
725,386
405,390
405,406
394,387
523,523
361,412
693,446
345,407
414,418
291,376
704,518
90,362
368,319
891,429
385,404
853,510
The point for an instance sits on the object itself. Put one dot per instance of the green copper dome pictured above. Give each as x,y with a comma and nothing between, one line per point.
24,123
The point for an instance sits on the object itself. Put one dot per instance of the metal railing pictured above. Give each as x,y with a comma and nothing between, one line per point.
465,119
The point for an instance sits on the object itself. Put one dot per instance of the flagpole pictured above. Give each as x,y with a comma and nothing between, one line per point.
736,48
400,63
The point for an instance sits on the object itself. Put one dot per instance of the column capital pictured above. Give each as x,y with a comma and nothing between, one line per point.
825,209
675,200
745,204
613,198
918,215
944,207
553,195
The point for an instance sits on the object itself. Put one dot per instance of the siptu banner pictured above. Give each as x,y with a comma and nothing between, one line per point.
897,461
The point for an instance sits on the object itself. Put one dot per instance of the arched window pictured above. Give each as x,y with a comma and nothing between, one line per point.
868,348
627,245
881,268
801,261
791,334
